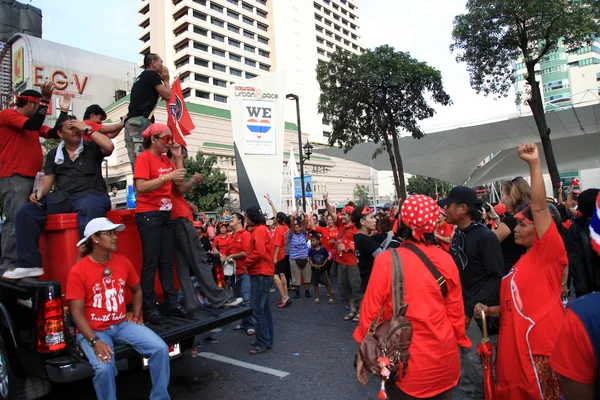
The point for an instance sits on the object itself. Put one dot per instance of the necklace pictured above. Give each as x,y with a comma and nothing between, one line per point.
107,271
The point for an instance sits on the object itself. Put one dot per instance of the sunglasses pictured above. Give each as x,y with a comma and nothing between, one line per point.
166,138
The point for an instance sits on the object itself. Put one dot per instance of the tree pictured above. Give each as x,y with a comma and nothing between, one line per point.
419,184
495,33
375,95
361,194
210,194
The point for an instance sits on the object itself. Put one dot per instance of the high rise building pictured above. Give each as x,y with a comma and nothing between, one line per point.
567,78
212,44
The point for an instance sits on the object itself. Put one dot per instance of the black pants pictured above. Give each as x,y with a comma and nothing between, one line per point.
190,254
156,232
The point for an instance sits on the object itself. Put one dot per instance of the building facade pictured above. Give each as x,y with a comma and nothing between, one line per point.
212,44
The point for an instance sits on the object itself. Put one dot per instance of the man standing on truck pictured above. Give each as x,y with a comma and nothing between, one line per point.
74,169
21,158
102,324
148,87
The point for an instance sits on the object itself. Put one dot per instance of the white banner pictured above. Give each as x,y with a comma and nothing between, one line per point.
261,126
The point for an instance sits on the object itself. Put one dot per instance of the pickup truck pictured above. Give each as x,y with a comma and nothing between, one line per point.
37,336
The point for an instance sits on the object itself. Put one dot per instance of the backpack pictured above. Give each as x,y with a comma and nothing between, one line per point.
392,338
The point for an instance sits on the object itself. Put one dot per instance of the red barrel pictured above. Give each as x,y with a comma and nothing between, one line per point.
58,246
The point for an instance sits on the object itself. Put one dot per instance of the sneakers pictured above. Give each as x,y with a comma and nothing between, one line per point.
20,273
232,302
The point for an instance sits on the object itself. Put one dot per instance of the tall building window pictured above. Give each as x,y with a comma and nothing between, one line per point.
218,52
233,14
233,43
200,31
219,83
217,22
203,95
235,72
200,62
233,28
220,99
251,49
217,37
201,78
216,7
219,67
250,62
200,46
235,57
248,20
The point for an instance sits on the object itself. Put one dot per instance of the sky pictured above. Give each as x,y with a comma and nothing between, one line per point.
422,28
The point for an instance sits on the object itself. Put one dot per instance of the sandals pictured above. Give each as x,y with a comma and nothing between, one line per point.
356,318
317,300
350,316
258,350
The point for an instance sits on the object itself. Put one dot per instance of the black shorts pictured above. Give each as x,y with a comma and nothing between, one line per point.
320,275
280,267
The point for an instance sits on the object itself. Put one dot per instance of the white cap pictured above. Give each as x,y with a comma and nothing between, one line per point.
97,225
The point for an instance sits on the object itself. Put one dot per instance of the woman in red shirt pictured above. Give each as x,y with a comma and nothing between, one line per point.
153,177
443,232
531,311
438,323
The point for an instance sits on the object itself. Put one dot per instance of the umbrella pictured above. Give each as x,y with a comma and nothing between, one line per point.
486,352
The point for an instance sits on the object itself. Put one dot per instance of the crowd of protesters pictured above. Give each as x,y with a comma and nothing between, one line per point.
512,262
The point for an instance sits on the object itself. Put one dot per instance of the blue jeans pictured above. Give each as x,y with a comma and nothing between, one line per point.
31,220
244,289
259,299
146,343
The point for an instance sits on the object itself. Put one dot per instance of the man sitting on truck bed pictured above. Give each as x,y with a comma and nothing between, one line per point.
75,171
95,288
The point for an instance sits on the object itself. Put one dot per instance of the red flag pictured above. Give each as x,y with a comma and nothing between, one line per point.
178,116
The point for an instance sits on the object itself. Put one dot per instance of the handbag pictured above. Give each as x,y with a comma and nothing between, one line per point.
390,340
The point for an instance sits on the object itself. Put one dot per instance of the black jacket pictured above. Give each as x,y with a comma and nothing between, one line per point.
584,263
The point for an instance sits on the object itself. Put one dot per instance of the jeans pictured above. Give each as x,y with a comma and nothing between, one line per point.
262,318
31,220
156,232
189,253
243,288
134,127
15,191
145,342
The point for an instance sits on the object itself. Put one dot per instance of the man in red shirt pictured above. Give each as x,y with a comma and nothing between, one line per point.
21,159
259,263
188,251
348,273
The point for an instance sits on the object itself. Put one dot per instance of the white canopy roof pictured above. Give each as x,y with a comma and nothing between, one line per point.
454,155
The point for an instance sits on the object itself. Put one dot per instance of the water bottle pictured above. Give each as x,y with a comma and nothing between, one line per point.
38,184
130,197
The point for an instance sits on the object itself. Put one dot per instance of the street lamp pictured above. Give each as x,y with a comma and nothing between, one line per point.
308,147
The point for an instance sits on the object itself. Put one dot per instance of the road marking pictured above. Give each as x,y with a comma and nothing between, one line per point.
227,360
217,330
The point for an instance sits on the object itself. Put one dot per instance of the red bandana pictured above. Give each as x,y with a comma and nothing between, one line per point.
420,213
155,129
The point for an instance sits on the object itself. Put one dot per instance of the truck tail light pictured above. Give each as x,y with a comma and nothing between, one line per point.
220,276
50,326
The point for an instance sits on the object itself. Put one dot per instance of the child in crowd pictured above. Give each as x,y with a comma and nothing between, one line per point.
317,257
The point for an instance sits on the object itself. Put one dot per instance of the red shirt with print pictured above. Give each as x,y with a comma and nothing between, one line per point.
328,237
221,242
573,357
259,257
346,237
239,242
181,208
149,167
438,323
20,150
103,297
279,240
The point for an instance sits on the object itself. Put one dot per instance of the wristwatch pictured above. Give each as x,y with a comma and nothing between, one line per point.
93,340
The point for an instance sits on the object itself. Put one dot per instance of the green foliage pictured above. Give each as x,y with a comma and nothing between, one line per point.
208,195
495,33
361,194
419,184
374,95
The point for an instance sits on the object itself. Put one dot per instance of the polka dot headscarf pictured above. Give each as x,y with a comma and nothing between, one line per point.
420,213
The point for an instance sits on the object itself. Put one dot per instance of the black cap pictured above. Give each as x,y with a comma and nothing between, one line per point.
461,195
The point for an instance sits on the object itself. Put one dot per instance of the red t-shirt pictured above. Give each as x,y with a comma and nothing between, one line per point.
438,324
149,167
573,357
104,297
279,240
181,208
348,257
220,243
328,237
259,257
239,242
531,314
444,230
20,150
